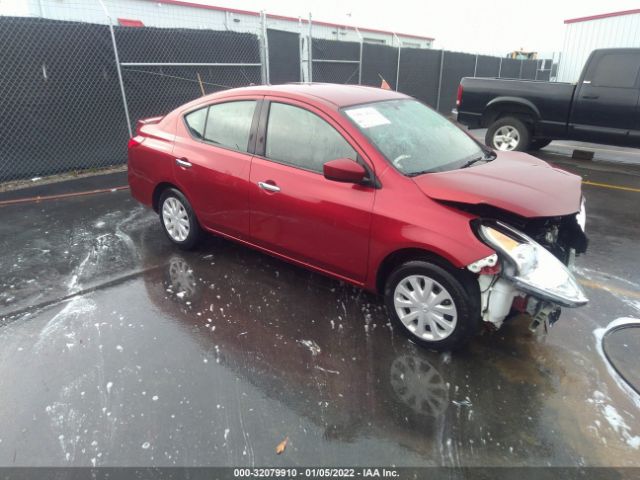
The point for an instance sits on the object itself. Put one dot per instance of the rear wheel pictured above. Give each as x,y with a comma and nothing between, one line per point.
178,220
508,134
431,306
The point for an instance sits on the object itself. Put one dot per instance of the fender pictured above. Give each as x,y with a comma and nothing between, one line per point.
514,100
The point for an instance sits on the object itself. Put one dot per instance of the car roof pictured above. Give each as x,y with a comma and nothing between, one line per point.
335,94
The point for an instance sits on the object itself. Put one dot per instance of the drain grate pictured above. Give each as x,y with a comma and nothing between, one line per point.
621,346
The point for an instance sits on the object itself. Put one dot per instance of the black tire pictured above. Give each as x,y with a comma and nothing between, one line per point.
194,229
464,293
538,143
524,133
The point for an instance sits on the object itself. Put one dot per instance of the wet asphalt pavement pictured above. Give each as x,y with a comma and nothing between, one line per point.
116,349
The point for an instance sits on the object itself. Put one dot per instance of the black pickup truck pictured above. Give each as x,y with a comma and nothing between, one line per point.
603,107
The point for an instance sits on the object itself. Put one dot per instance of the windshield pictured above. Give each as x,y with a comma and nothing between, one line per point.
414,138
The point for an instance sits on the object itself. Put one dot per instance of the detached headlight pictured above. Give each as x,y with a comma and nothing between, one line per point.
531,267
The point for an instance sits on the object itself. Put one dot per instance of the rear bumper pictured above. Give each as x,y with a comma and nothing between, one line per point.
141,188
471,120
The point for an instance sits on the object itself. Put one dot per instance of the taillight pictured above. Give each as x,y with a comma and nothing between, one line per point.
459,97
134,142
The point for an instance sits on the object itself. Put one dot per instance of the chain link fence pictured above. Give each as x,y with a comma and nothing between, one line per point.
76,76
59,97
429,75
72,91
163,68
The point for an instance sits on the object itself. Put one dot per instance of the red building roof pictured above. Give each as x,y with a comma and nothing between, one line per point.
602,15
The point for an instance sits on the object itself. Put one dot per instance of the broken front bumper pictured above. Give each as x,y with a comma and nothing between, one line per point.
500,297
522,275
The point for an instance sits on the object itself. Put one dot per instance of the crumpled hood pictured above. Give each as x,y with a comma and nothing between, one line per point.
514,181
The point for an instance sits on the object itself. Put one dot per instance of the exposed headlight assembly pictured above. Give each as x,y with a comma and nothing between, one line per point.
530,266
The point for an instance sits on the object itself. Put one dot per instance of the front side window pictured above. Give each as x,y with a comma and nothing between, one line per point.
297,137
414,138
617,70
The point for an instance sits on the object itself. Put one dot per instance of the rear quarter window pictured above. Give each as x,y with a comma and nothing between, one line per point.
196,121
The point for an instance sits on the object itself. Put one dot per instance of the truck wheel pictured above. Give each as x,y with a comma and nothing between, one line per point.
538,143
508,134
431,306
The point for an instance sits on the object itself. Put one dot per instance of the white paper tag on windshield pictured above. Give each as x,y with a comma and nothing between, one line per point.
367,117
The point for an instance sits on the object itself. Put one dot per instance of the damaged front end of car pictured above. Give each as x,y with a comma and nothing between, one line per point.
529,273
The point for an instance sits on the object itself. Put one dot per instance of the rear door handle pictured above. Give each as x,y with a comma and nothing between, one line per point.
183,163
591,97
268,187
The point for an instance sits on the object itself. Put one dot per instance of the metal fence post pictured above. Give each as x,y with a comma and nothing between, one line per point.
360,60
301,49
310,50
500,68
521,64
559,63
117,59
264,48
440,80
398,64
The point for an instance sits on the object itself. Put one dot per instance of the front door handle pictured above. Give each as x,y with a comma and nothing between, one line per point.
183,163
269,187
591,97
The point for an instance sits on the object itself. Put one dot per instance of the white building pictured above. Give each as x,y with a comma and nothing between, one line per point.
583,35
179,14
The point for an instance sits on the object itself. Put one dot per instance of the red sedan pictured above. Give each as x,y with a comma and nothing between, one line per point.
374,188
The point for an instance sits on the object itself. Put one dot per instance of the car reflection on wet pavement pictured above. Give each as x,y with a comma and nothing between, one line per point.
213,357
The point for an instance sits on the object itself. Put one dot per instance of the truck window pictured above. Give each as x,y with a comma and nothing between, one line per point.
618,70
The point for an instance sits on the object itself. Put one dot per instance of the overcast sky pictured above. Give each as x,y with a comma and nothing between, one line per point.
484,26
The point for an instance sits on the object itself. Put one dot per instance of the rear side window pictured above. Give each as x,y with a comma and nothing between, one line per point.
229,124
618,70
297,137
195,122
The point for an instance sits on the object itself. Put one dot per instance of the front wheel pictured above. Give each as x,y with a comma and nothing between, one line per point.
178,220
508,134
431,306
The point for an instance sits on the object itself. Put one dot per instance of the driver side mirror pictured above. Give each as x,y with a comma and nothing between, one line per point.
344,170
